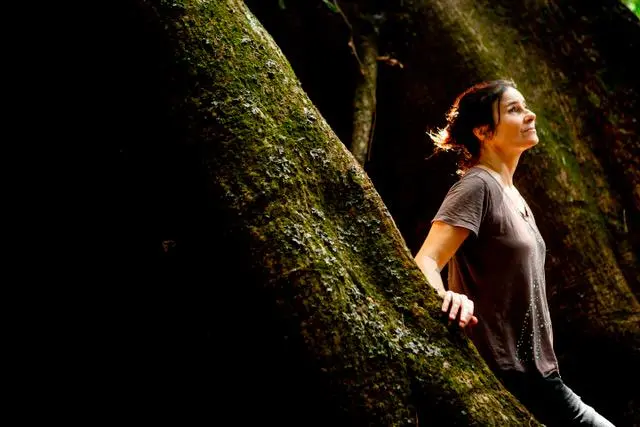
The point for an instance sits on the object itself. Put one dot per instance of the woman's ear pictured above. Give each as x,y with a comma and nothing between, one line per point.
481,132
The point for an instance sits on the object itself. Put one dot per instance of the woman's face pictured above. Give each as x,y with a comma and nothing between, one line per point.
516,125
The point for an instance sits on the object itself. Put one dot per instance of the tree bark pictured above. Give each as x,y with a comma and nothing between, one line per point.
319,275
364,104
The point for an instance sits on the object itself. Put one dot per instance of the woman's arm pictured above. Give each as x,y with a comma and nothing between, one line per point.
441,243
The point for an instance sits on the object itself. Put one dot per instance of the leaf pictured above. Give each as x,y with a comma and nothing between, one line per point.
282,5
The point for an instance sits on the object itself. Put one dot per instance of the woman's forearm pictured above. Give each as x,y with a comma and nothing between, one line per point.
430,269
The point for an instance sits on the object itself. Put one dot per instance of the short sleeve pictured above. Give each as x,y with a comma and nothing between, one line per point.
465,204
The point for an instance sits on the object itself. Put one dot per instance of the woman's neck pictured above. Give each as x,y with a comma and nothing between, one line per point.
505,167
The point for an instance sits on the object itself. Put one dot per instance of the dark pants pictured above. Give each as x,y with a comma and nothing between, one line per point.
551,401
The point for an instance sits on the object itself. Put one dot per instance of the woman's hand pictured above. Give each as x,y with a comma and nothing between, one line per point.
459,303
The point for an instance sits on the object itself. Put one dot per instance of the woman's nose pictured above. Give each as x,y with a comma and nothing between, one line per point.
531,116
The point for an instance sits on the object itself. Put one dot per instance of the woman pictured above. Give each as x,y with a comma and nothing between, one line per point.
486,232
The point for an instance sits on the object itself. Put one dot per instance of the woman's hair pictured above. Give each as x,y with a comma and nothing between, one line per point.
472,108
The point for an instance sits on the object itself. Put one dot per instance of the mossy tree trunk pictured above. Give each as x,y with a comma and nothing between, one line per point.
321,315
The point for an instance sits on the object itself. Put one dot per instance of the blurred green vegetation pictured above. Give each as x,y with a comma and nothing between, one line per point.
634,5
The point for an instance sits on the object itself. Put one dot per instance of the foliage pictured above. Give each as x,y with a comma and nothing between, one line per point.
634,5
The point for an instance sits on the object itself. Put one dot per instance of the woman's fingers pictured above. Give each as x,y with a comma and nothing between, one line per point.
447,300
456,302
473,321
466,312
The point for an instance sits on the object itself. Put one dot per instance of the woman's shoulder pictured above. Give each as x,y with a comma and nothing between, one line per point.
476,177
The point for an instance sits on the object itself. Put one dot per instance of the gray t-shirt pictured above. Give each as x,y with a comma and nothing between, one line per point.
500,266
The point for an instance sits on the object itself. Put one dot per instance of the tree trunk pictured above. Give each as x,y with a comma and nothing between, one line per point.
320,315
364,104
